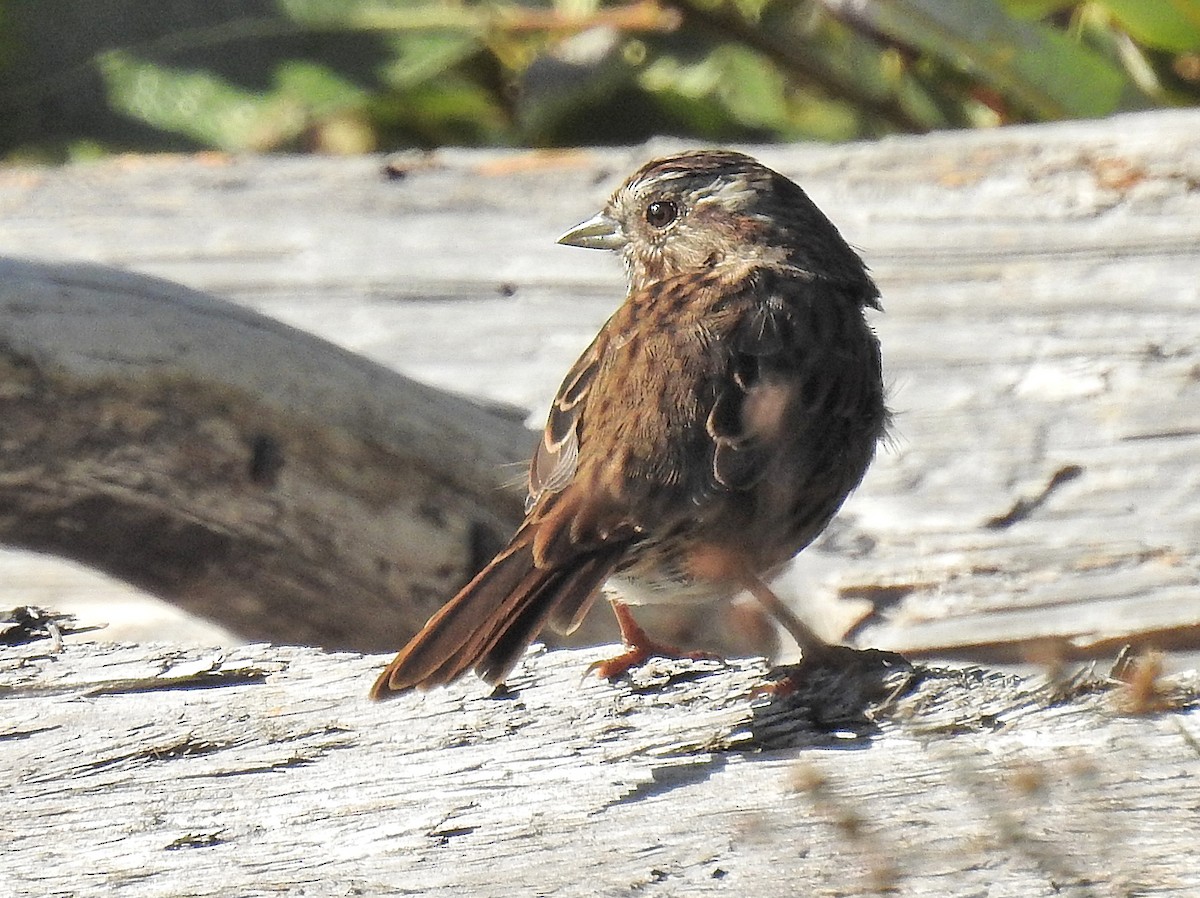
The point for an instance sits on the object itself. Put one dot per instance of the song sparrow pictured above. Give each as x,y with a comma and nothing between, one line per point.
709,433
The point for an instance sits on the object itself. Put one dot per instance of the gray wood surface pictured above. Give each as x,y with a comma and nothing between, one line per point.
242,469
1040,495
150,771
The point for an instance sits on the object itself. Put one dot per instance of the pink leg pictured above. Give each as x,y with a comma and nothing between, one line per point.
639,647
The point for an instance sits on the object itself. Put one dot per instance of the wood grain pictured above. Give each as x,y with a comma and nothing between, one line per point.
246,471
151,771
1040,494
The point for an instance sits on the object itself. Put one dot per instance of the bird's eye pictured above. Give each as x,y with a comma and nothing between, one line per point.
661,213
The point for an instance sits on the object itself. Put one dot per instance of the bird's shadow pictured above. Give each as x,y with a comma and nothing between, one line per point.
838,700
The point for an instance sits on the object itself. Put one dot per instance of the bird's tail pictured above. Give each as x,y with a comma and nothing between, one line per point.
492,620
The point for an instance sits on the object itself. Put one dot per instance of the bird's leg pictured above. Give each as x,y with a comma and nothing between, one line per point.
811,645
729,565
722,563
814,649
639,647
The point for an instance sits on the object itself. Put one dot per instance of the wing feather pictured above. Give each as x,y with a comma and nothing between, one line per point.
557,455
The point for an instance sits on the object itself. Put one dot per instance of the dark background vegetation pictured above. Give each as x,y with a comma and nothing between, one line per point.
87,77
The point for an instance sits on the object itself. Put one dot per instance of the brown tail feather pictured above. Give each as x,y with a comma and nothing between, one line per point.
577,588
493,618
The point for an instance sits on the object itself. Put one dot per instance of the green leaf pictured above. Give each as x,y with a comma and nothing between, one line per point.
750,88
451,109
214,112
1036,9
420,57
1168,24
316,87
1043,70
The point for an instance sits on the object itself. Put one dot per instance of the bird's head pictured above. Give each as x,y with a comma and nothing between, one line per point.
689,213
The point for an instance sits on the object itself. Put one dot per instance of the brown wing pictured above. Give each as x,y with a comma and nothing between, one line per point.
796,422
557,454
549,572
750,398
703,421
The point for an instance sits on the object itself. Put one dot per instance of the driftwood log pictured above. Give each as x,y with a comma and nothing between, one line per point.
1041,285
152,771
243,469
1040,498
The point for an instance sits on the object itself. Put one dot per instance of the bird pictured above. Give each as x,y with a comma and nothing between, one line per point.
708,434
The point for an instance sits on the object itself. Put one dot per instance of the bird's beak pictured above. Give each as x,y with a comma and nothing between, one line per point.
598,232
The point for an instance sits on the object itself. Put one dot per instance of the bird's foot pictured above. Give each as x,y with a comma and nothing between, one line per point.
835,658
639,648
637,655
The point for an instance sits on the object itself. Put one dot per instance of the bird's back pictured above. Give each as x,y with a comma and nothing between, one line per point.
766,420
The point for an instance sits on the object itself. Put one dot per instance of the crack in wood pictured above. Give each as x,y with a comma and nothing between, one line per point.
1025,506
208,679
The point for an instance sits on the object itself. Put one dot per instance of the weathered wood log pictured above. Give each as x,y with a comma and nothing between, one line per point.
155,771
1040,285
247,471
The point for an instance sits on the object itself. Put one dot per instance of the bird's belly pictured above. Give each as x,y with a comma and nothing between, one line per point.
667,589
712,552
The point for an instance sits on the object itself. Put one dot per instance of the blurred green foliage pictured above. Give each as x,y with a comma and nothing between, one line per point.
82,76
